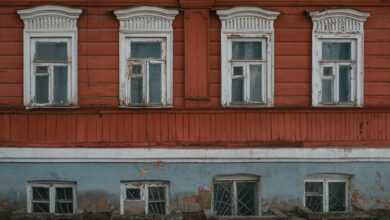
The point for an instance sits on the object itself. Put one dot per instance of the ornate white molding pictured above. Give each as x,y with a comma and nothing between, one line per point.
50,18
339,21
247,19
146,19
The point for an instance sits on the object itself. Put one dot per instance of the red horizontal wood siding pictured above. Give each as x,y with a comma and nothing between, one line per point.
292,121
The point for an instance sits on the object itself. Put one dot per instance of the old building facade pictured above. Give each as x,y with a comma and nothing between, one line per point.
226,108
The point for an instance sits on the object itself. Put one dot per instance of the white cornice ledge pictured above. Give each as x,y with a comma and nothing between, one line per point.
50,10
125,14
352,13
246,12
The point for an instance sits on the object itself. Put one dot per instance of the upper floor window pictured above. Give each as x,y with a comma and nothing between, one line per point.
51,197
146,56
247,56
327,193
50,56
338,57
144,197
236,195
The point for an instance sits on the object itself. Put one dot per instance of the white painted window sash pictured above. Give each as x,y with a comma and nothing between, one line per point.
34,64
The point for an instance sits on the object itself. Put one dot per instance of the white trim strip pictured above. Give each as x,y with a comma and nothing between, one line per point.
215,155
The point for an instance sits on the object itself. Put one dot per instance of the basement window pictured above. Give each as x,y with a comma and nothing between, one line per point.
51,197
50,56
236,195
144,197
327,193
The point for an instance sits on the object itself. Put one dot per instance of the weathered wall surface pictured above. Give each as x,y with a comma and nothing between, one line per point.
190,183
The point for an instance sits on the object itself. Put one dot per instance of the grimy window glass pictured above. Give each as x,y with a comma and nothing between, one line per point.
156,200
40,199
64,200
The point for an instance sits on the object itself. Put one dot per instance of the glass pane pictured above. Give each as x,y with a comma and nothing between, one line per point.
314,203
345,84
328,71
40,194
247,50
40,207
327,91
65,194
156,208
136,69
146,50
223,199
64,207
42,88
238,71
314,188
246,199
136,90
42,69
256,84
156,193
155,83
133,194
238,90
337,197
60,85
51,51
336,51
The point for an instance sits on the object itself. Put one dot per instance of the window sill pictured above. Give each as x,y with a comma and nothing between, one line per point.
268,217
52,107
248,106
146,107
338,106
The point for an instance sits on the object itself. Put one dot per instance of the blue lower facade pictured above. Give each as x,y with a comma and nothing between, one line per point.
282,184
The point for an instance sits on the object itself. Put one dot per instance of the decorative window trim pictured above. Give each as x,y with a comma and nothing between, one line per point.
49,22
145,22
143,185
52,185
338,24
236,178
247,22
327,178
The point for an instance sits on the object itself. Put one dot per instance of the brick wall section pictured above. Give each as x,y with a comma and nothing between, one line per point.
196,122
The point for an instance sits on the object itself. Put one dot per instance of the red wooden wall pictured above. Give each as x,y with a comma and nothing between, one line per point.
197,117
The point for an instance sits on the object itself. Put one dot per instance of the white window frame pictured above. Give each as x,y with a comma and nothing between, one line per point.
339,25
144,190
146,23
52,186
51,23
234,179
325,179
247,24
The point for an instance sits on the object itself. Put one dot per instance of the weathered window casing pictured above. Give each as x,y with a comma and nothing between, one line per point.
152,197
338,81
49,24
323,199
247,24
145,24
58,197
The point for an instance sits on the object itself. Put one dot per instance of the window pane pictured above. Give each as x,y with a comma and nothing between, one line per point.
156,208
314,188
246,50
136,90
136,69
155,83
238,71
345,84
328,71
51,51
156,193
42,69
40,207
314,203
238,90
133,194
60,85
314,197
146,50
64,207
246,198
65,194
327,91
40,194
336,51
337,197
223,199
256,86
42,88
